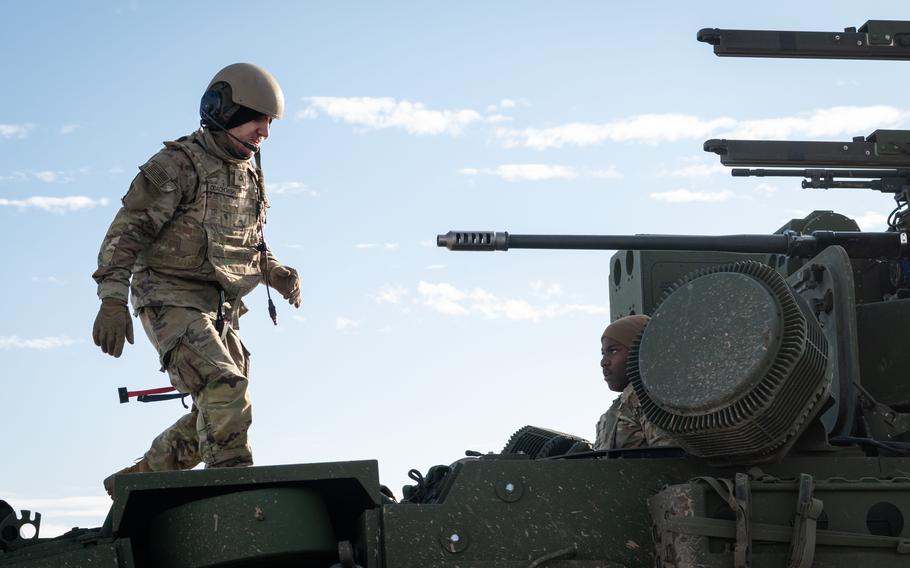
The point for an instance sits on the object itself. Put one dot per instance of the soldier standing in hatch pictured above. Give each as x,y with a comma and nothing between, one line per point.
188,245
624,425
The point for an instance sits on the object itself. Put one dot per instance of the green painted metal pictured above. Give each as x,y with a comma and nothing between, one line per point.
268,525
640,278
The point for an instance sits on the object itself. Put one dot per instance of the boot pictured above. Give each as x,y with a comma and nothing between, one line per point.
141,466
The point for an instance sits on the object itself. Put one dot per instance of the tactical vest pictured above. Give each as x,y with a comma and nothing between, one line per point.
222,225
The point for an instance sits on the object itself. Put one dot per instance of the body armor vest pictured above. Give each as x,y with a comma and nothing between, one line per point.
222,225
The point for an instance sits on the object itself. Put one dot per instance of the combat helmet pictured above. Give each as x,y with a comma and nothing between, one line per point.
237,86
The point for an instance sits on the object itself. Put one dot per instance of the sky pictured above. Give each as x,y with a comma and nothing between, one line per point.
403,120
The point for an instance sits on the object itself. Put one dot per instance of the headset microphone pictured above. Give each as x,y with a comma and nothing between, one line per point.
246,145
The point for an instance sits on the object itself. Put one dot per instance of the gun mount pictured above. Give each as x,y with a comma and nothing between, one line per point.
854,164
881,149
876,39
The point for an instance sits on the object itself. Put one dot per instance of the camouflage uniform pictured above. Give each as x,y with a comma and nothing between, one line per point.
185,243
625,426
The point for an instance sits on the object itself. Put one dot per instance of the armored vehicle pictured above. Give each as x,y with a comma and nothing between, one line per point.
776,362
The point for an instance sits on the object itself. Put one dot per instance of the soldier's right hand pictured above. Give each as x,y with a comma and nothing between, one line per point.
112,324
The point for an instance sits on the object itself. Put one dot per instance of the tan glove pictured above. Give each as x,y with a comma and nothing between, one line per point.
286,282
112,324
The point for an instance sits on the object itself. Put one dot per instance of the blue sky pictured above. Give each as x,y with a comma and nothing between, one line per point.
404,120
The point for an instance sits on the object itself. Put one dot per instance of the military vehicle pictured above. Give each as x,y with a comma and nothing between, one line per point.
776,362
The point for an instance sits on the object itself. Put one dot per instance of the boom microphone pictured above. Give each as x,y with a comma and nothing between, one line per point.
246,145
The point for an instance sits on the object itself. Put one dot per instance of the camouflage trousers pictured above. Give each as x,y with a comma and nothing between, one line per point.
212,368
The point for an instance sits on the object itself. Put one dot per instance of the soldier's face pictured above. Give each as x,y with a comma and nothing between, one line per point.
253,132
613,358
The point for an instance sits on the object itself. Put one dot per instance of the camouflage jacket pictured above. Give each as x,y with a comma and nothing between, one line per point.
166,191
625,426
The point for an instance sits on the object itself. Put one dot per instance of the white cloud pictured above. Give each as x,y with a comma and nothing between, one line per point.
539,172
497,118
9,131
54,204
765,188
386,112
668,127
52,342
443,298
345,324
610,173
15,176
436,267
697,170
544,290
648,128
823,123
687,196
534,172
69,128
299,318
49,280
47,176
508,104
116,170
390,295
871,221
290,187
384,246
447,299
502,104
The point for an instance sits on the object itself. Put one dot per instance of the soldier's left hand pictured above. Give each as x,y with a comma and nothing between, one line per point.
286,281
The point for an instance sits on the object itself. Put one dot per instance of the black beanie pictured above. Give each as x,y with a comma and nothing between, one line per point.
243,114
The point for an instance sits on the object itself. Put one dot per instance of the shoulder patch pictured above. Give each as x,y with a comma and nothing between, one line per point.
167,169
155,173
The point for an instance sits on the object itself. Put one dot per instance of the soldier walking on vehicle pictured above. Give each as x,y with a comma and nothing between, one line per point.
186,247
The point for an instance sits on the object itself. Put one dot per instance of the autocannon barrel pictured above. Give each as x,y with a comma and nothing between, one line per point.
856,243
